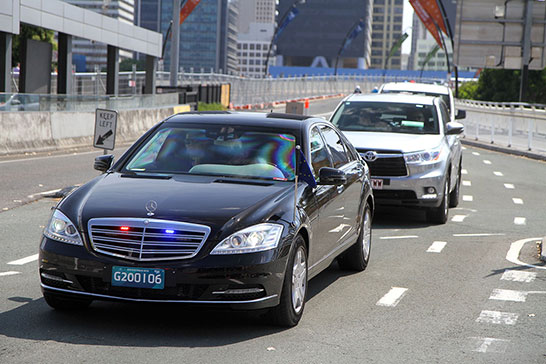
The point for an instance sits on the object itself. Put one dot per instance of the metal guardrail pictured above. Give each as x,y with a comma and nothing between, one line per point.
514,125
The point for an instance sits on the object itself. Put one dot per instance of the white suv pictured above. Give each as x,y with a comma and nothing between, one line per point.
411,147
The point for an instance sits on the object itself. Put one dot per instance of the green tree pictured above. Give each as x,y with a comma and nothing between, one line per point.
467,90
30,32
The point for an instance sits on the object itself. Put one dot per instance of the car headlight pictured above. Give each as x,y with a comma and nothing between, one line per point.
253,239
60,228
424,157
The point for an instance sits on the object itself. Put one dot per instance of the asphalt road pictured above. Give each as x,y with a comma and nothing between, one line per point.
470,291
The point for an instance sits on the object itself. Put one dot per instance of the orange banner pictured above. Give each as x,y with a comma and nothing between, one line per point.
431,16
187,9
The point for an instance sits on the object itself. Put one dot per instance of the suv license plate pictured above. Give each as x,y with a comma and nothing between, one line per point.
377,184
138,277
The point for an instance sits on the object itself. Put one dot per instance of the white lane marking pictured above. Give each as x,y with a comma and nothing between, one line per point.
497,317
508,295
398,237
515,248
485,161
436,247
517,201
478,234
475,153
44,193
498,174
509,186
520,220
392,298
325,115
47,157
464,171
463,148
467,183
490,345
458,218
469,198
517,276
10,273
24,260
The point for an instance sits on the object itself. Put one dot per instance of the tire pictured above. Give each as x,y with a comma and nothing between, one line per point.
438,215
294,291
64,304
357,256
454,195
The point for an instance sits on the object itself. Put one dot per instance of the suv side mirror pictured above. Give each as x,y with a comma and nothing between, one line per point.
332,176
103,162
461,114
454,128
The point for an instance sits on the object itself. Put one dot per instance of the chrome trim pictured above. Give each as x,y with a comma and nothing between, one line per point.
240,291
347,242
154,301
55,278
141,246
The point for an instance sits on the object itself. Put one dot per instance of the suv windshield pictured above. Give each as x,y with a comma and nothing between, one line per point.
386,117
217,150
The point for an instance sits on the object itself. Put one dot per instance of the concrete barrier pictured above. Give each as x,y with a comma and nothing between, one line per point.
22,132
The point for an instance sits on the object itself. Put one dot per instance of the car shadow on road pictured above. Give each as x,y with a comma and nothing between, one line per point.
399,218
144,325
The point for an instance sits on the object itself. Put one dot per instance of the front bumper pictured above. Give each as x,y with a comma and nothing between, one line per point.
244,281
411,190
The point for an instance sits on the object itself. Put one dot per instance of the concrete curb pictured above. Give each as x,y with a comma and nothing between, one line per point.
502,149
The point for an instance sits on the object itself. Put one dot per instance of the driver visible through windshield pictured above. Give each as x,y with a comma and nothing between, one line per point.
217,150
387,117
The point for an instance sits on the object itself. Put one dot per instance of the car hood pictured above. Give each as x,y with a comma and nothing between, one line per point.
393,141
202,200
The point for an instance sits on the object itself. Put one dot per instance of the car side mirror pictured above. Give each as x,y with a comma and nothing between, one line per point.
332,176
461,114
103,162
454,128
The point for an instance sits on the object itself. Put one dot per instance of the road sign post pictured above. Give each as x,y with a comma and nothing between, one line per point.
105,129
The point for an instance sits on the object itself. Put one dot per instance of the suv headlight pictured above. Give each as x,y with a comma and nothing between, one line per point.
253,239
424,157
60,228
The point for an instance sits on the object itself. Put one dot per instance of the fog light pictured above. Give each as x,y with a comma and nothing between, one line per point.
431,190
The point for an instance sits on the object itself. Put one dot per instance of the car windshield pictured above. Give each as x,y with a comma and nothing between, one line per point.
386,117
231,151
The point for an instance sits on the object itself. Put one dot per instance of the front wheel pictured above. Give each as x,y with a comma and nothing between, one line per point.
357,256
438,215
454,195
294,291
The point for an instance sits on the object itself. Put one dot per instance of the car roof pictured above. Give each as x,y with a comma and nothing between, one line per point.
389,98
266,120
415,87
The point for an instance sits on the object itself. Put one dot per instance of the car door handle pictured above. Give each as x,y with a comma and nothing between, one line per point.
340,188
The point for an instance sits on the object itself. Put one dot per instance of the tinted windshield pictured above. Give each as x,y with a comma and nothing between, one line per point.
386,117
217,150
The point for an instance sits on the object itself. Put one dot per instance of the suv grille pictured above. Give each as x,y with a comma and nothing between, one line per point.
146,239
387,164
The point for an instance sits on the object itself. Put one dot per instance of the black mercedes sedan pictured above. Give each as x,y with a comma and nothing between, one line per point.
237,210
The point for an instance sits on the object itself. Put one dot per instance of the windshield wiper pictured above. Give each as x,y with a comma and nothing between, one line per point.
152,176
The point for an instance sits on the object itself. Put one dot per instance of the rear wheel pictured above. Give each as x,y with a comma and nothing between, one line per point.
454,195
61,303
357,256
294,291
438,215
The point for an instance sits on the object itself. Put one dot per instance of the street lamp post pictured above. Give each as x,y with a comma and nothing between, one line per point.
277,31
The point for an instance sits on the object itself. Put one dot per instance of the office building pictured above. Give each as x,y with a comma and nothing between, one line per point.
386,31
316,34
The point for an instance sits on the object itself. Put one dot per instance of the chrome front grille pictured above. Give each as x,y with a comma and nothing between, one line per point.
146,239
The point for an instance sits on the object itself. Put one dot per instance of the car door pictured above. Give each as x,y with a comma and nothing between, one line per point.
342,211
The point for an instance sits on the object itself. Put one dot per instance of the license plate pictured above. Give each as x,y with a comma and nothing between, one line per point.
377,184
138,277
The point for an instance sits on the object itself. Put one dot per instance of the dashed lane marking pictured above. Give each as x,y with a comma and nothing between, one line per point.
398,237
477,235
498,174
518,276
508,295
475,153
10,273
467,183
509,186
489,344
520,220
497,317
436,247
464,171
458,218
517,201
24,260
468,198
485,161
392,298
